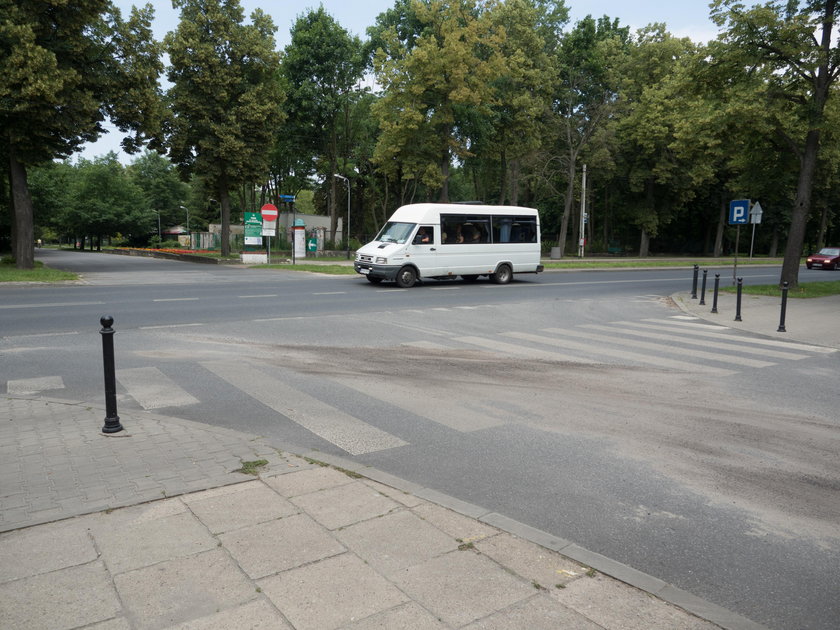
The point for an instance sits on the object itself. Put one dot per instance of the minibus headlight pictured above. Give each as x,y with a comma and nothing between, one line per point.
381,261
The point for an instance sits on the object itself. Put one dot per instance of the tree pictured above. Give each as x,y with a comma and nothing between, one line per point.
585,96
793,41
162,188
321,66
225,98
66,67
434,82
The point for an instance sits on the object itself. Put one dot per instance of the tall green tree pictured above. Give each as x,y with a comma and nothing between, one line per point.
321,67
587,60
435,84
66,68
225,97
795,42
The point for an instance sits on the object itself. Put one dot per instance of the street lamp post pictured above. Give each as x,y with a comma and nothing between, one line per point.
158,217
189,235
346,227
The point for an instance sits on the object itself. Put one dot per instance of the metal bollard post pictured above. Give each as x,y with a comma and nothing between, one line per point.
738,301
784,308
703,289
694,283
112,420
714,301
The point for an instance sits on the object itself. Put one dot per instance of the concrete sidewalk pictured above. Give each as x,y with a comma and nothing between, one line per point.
159,526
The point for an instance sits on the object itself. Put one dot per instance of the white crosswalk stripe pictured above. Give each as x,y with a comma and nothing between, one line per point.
345,431
34,385
521,351
152,389
615,353
733,345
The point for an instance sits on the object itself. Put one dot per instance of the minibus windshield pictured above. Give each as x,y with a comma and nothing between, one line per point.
395,232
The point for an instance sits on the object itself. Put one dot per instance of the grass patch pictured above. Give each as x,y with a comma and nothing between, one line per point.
9,273
617,263
804,290
335,270
253,467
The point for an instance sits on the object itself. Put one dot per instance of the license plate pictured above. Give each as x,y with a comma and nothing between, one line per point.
819,265
364,271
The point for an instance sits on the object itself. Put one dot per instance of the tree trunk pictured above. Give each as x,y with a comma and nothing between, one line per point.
444,171
224,201
23,217
644,244
721,225
801,206
823,228
567,205
514,181
503,167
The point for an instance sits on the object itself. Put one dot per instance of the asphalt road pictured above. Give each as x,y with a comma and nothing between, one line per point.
581,403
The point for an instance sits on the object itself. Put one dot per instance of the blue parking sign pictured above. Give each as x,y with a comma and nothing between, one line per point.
739,212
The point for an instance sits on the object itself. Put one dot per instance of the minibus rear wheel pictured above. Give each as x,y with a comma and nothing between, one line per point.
406,277
503,274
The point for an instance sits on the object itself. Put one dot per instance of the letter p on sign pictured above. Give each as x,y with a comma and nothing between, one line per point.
739,211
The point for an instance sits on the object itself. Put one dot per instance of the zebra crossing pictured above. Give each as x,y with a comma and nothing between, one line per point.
678,343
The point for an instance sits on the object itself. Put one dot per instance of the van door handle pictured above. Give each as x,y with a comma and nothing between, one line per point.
433,249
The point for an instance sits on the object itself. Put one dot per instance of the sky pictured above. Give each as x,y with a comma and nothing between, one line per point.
684,18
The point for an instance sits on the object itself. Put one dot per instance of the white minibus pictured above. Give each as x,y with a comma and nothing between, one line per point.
443,241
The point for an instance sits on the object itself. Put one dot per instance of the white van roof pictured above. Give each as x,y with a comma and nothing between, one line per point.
430,212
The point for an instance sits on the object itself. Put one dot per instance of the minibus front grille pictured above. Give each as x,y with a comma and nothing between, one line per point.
365,258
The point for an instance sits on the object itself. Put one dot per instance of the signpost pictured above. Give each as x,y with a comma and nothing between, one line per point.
738,213
269,216
755,219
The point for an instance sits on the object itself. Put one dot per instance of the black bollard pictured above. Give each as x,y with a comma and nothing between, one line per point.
694,283
784,308
714,301
703,289
738,301
112,420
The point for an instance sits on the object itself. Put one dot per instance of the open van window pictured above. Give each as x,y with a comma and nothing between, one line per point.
395,232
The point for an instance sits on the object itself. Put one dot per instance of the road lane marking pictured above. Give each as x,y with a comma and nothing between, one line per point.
49,305
733,345
699,330
333,425
659,348
613,352
252,297
192,299
170,326
521,351
152,389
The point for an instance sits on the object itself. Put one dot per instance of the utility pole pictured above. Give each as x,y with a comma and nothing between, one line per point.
582,233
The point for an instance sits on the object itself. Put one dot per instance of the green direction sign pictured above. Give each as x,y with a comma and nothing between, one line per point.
253,224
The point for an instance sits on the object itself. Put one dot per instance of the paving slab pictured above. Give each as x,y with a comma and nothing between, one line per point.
274,546
331,593
229,508
462,586
183,589
396,541
344,505
539,612
54,546
75,597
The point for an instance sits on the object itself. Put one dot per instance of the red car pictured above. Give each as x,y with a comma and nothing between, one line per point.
826,258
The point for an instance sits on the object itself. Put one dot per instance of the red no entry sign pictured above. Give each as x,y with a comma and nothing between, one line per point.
269,212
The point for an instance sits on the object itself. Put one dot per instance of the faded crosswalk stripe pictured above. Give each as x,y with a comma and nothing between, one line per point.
345,431
614,352
34,385
658,348
152,389
520,351
733,345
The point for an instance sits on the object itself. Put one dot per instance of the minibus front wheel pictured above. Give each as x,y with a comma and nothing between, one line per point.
503,275
406,277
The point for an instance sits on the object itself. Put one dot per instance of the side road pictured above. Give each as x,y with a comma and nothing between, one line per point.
161,526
